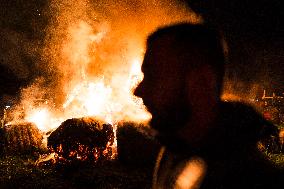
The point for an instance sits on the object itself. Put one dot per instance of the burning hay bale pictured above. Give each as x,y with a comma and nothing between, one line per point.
21,138
85,139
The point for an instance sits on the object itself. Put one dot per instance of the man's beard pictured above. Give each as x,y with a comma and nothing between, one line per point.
168,122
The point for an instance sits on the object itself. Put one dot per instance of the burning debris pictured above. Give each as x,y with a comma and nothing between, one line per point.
21,138
85,139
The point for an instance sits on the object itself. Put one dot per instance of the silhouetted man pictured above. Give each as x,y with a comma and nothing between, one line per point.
207,143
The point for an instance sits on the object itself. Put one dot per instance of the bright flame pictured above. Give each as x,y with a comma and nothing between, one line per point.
135,74
77,48
39,117
89,99
110,100
43,118
95,57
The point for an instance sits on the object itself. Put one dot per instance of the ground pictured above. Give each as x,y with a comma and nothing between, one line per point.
132,168
21,172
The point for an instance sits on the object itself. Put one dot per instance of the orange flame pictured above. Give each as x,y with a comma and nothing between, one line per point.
97,56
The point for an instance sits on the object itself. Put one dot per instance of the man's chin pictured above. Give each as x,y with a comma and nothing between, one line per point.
171,121
164,126
168,136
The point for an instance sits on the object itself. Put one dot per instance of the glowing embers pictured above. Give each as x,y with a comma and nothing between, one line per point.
83,139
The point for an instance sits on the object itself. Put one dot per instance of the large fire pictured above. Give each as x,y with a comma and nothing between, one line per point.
94,56
89,95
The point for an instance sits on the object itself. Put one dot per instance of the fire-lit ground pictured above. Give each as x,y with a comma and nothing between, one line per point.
21,173
132,168
112,175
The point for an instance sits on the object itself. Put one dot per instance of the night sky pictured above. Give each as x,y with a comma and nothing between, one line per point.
22,25
253,30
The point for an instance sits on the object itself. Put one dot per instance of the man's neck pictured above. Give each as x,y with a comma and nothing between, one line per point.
198,127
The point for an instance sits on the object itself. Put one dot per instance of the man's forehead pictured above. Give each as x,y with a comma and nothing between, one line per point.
162,42
160,48
147,64
154,58
161,53
159,66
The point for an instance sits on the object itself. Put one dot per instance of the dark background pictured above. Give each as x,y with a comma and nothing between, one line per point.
253,30
22,30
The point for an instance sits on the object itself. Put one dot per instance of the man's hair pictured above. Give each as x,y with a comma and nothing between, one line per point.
194,42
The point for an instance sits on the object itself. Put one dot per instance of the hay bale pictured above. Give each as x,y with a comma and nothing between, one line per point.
82,138
21,138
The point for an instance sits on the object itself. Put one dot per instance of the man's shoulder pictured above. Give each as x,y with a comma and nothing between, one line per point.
238,109
239,114
245,119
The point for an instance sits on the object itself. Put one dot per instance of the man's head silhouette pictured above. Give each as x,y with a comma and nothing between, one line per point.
183,71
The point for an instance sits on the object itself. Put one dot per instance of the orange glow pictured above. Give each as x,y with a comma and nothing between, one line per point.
95,52
43,118
39,117
88,99
192,174
230,97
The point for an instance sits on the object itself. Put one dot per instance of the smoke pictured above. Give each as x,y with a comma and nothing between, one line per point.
121,28
12,53
236,90
101,39
22,26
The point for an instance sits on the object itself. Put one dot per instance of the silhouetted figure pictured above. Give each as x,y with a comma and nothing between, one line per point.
207,143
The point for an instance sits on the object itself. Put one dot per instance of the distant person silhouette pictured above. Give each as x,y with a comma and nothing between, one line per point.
207,143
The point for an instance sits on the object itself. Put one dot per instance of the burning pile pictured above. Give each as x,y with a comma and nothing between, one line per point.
91,60
86,139
90,63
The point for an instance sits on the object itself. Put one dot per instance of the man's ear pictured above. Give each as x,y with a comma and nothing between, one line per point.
202,83
202,97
